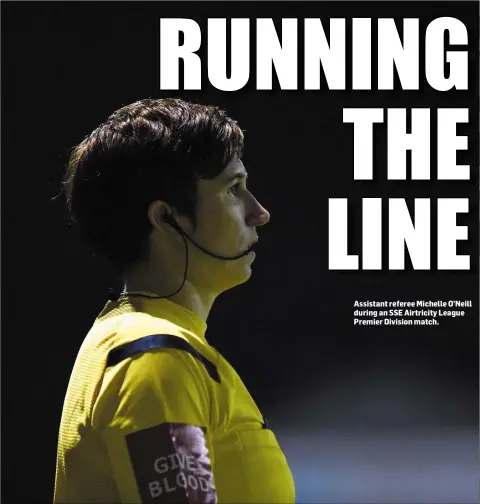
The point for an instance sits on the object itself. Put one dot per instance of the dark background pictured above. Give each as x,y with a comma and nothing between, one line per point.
370,414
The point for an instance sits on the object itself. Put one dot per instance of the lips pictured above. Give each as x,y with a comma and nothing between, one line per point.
250,247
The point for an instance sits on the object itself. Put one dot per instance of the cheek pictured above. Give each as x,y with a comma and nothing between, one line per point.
224,222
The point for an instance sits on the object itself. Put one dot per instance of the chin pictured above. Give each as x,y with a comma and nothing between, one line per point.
238,279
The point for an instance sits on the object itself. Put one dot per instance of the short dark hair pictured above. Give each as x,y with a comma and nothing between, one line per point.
153,149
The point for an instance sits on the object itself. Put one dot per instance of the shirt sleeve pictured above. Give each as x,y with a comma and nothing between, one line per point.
158,436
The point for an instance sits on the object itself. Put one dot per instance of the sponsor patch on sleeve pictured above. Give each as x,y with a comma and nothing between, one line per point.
172,464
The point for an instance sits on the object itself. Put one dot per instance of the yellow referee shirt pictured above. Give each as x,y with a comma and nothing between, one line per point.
154,414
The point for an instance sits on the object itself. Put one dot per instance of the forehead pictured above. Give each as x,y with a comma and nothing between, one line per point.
234,169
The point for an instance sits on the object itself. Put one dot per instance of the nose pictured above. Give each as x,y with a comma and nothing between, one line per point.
259,216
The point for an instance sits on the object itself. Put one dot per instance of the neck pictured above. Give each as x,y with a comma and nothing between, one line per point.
189,296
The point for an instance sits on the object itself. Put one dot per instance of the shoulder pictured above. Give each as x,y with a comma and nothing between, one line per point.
151,371
154,386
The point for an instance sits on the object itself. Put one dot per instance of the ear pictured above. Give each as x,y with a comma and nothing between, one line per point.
158,213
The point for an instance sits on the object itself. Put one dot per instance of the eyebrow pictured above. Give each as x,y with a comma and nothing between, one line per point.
237,175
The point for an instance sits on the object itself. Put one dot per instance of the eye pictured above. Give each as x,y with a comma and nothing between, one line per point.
235,188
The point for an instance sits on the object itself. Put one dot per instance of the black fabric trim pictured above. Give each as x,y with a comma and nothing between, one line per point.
155,341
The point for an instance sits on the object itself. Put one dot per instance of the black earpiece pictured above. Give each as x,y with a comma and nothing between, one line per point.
169,219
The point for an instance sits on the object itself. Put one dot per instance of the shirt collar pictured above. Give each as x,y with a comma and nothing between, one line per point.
162,308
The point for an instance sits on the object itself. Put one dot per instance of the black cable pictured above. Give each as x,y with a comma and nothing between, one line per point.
125,294
172,222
